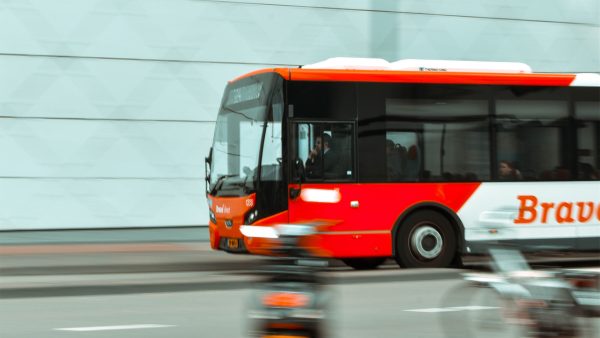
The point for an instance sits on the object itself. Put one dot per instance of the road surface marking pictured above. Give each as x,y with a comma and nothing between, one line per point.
454,309
116,327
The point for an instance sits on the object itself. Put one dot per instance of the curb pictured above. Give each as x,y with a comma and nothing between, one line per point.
30,286
135,283
106,268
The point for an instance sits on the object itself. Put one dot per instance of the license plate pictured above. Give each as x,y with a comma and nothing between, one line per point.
232,243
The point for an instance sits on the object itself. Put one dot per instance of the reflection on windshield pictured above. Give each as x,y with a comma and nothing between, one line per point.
236,148
271,156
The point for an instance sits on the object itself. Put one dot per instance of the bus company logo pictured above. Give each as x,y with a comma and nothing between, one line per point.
530,211
249,203
429,69
222,209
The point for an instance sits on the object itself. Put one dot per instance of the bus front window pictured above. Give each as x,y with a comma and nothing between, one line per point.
271,161
244,119
237,140
235,150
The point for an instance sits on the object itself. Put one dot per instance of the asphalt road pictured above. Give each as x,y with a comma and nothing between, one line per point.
361,310
165,283
389,309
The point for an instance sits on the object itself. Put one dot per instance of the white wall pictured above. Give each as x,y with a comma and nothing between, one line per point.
107,106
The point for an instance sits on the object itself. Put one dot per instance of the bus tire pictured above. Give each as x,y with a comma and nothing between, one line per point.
425,239
364,263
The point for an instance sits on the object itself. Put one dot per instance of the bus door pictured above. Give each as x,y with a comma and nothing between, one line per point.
322,158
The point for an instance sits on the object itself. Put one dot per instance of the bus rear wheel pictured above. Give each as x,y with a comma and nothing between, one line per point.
364,263
426,239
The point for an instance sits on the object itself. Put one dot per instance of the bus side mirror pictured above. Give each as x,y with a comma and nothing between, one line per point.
207,161
300,177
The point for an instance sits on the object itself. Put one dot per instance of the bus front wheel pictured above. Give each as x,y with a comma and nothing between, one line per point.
426,239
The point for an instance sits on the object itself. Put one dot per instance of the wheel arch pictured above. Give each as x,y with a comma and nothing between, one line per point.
455,221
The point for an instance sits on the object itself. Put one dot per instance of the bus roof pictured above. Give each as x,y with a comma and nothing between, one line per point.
429,71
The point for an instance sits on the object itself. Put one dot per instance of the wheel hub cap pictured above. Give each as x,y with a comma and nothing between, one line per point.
427,242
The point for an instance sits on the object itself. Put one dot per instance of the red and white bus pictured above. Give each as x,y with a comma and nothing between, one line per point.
419,160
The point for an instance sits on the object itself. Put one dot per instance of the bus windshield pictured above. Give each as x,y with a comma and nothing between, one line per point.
240,126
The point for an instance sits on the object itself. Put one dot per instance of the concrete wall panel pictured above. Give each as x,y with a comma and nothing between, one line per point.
239,32
107,106
42,148
100,203
59,87
583,11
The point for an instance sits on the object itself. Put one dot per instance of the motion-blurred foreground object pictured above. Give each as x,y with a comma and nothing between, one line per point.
292,301
515,301
424,161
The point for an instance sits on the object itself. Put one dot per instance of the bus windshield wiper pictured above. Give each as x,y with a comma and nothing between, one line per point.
219,183
243,185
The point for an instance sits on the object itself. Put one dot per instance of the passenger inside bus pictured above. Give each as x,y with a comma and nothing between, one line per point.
507,171
396,159
586,171
558,173
413,162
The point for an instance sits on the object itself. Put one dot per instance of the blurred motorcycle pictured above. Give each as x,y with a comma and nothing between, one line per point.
519,301
292,301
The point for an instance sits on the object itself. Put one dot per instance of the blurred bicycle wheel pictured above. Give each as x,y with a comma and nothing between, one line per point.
474,311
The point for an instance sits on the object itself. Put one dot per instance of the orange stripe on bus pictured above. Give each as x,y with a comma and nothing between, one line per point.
431,77
284,72
390,76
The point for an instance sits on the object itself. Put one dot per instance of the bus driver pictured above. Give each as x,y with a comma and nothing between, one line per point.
322,157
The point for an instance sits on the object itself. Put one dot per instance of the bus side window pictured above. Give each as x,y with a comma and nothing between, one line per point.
587,114
445,133
403,157
342,145
531,133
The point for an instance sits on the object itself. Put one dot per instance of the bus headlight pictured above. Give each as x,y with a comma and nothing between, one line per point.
251,217
212,217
